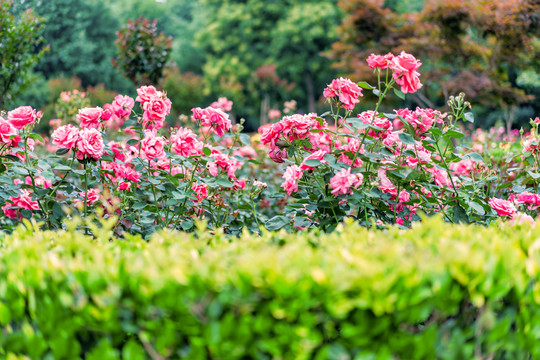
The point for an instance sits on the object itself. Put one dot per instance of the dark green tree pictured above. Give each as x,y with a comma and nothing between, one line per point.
20,49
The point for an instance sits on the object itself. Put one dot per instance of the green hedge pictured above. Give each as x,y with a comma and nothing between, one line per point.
437,291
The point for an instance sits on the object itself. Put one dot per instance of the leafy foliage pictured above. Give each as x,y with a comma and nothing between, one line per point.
21,36
142,52
438,291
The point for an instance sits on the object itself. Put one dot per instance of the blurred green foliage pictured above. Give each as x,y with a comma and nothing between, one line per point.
20,36
437,291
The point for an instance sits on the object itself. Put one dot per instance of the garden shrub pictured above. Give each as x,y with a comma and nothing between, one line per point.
436,291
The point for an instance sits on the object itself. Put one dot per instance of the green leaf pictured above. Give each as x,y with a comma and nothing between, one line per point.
206,151
62,168
277,222
533,174
376,92
460,216
62,151
365,85
454,134
476,157
469,116
36,137
399,94
312,162
224,182
477,208
406,138
138,206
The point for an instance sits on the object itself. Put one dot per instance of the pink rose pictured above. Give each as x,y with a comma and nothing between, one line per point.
6,131
215,119
147,93
122,106
292,174
152,146
347,92
22,116
404,66
65,136
90,117
342,182
155,111
201,191
123,186
92,196
502,207
222,104
90,144
379,61
185,143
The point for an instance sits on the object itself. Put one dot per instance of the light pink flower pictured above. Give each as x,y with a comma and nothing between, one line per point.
184,143
92,196
15,204
147,93
90,144
292,174
90,117
65,136
274,114
152,146
502,207
222,104
342,182
22,116
347,92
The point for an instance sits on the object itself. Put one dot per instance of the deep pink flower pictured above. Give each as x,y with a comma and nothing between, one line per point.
22,116
155,111
343,181
215,119
122,106
90,117
92,196
90,144
6,131
201,191
15,204
502,207
404,66
347,92
379,61
65,136
317,155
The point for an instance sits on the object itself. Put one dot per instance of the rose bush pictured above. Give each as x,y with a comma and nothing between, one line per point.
379,167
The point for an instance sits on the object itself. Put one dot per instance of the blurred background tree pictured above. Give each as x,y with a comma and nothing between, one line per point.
479,47
20,50
142,52
488,48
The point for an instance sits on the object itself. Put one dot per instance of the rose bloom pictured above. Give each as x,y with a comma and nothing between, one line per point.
342,182
65,136
502,207
6,131
90,117
201,191
292,174
147,93
152,146
22,116
379,61
216,119
347,91
39,181
184,143
222,104
92,196
155,111
122,106
90,144
404,66
23,201
123,186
